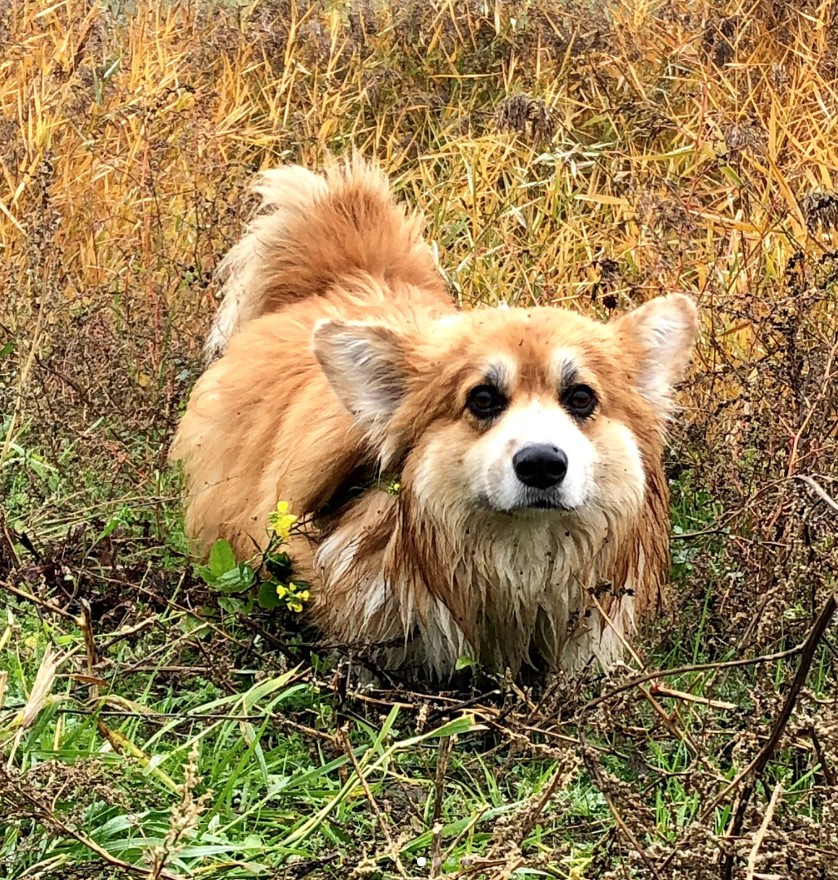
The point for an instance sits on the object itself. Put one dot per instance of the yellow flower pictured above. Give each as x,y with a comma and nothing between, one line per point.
293,596
281,521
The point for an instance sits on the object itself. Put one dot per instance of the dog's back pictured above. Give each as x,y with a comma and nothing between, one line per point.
332,246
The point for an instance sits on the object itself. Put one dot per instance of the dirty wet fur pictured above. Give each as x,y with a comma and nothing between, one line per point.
526,443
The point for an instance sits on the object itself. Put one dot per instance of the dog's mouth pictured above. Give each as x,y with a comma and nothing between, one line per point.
545,504
535,506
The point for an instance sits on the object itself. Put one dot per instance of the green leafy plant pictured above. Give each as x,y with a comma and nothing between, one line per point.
270,571
223,572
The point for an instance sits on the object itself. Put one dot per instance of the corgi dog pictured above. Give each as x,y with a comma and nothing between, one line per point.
530,524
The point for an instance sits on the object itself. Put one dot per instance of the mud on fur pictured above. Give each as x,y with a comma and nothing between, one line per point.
526,442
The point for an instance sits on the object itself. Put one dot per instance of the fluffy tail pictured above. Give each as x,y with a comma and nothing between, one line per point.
310,232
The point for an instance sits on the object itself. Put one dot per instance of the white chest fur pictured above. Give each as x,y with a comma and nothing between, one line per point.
515,588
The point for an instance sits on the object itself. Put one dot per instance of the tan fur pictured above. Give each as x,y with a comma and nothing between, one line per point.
334,303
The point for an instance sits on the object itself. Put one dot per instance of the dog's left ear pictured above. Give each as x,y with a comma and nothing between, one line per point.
364,364
665,330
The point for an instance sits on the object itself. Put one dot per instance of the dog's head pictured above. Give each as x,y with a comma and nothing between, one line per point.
516,411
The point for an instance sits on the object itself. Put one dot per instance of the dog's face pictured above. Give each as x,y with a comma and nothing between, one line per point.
531,435
515,411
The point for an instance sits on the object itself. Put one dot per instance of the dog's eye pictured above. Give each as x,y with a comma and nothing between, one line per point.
485,401
580,400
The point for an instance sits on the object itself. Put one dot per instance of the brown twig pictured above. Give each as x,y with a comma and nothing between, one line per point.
807,655
816,487
828,772
761,832
593,770
343,740
756,767
661,690
41,603
695,667
560,774
126,633
443,755
795,446
6,543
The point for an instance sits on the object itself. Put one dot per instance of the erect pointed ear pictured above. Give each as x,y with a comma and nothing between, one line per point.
364,364
665,330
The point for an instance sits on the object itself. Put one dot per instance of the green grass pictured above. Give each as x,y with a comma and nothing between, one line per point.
196,742
274,794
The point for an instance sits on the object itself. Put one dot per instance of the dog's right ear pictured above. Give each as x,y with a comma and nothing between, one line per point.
364,364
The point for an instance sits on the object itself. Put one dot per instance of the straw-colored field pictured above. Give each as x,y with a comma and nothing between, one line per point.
585,154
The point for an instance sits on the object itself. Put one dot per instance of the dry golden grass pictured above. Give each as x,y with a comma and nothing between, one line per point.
587,154
671,146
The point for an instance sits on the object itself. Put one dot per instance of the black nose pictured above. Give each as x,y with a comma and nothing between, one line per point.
540,465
